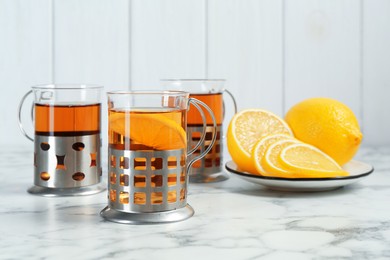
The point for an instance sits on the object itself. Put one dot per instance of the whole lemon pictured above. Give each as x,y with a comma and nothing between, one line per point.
327,124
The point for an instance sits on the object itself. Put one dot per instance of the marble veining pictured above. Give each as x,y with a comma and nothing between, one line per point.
233,220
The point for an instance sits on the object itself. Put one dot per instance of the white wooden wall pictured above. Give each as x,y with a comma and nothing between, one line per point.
273,53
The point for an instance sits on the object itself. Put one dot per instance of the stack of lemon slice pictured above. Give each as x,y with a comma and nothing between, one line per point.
260,142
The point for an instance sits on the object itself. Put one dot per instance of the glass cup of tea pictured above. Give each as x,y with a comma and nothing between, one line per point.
148,155
210,91
67,140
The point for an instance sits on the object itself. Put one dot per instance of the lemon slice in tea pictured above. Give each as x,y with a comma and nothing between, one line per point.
151,129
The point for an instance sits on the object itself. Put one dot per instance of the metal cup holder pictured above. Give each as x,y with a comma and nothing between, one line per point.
67,165
147,187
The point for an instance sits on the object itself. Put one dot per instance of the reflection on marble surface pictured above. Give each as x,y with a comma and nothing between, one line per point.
234,219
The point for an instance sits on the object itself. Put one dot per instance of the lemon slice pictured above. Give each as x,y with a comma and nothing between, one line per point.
261,147
308,161
248,127
271,163
153,130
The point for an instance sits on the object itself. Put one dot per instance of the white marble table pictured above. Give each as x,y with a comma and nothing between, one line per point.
233,220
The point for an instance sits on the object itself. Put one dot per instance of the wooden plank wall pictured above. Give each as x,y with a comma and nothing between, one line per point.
273,53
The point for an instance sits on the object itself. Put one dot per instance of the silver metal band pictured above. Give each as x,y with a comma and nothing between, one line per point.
147,218
147,181
212,161
67,161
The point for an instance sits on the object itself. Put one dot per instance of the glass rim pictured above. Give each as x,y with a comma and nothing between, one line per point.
149,92
195,80
67,86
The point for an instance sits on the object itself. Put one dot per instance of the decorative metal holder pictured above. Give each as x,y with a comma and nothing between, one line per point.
211,91
67,165
147,187
209,168
147,183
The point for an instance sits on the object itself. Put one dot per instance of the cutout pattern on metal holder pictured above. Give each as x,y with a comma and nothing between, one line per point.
67,161
212,161
147,181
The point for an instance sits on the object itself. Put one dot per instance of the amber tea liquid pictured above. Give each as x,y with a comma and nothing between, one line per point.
67,120
147,129
215,102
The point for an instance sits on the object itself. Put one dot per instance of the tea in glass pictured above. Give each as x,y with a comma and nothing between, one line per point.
67,120
147,131
210,167
67,140
148,165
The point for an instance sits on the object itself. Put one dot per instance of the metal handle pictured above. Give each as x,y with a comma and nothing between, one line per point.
20,115
196,104
234,103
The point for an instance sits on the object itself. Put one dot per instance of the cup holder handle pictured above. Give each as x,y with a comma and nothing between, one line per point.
197,103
